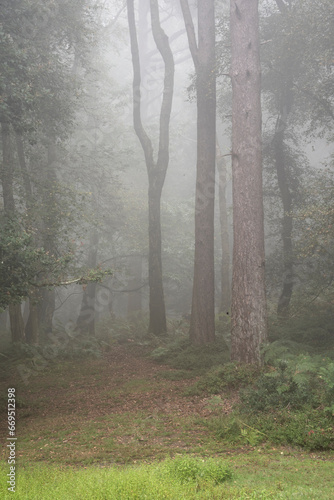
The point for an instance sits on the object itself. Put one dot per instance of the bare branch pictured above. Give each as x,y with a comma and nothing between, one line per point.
138,126
188,21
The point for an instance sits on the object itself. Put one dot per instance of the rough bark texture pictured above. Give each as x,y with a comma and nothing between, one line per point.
249,326
225,301
156,170
202,323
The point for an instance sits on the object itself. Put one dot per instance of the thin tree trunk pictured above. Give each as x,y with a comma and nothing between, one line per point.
249,326
87,314
202,322
225,301
157,302
287,225
15,313
134,298
156,170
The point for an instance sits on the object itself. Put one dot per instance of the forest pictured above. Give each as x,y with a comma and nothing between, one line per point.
167,249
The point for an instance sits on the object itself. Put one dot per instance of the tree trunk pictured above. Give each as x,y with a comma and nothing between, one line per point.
156,170
134,297
87,314
32,326
287,226
15,313
16,323
225,301
249,325
202,322
157,322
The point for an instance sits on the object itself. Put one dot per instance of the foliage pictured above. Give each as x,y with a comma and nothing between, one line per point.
310,331
21,262
188,469
299,382
227,377
309,429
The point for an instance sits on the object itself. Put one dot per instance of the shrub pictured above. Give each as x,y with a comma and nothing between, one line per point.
187,469
230,376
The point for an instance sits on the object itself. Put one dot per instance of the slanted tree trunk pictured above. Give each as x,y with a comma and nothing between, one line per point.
249,325
202,322
156,170
15,313
225,301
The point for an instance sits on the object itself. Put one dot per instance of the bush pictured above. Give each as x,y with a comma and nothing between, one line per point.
230,376
309,429
187,469
302,381
313,331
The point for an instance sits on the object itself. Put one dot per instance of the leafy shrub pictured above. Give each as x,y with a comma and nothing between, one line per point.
302,381
187,469
309,429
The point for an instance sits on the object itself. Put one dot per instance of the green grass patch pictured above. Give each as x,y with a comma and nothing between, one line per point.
260,474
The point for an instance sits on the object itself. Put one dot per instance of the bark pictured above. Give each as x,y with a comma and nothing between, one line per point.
87,314
135,281
156,170
202,323
16,323
225,301
287,225
249,326
15,313
32,326
47,303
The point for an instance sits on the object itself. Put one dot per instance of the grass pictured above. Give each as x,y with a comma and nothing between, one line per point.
258,474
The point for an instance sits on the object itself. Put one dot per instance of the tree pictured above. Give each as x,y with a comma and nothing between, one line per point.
156,169
202,324
249,326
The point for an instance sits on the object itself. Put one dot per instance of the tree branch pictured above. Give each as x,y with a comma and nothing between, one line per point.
138,126
188,21
163,46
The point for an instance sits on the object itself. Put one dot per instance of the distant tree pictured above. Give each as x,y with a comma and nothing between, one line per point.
202,324
249,326
156,169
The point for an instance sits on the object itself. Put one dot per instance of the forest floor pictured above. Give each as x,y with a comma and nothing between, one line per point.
124,408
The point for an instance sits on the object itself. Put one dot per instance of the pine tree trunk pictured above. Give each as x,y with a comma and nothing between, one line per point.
225,301
249,326
202,322
287,225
